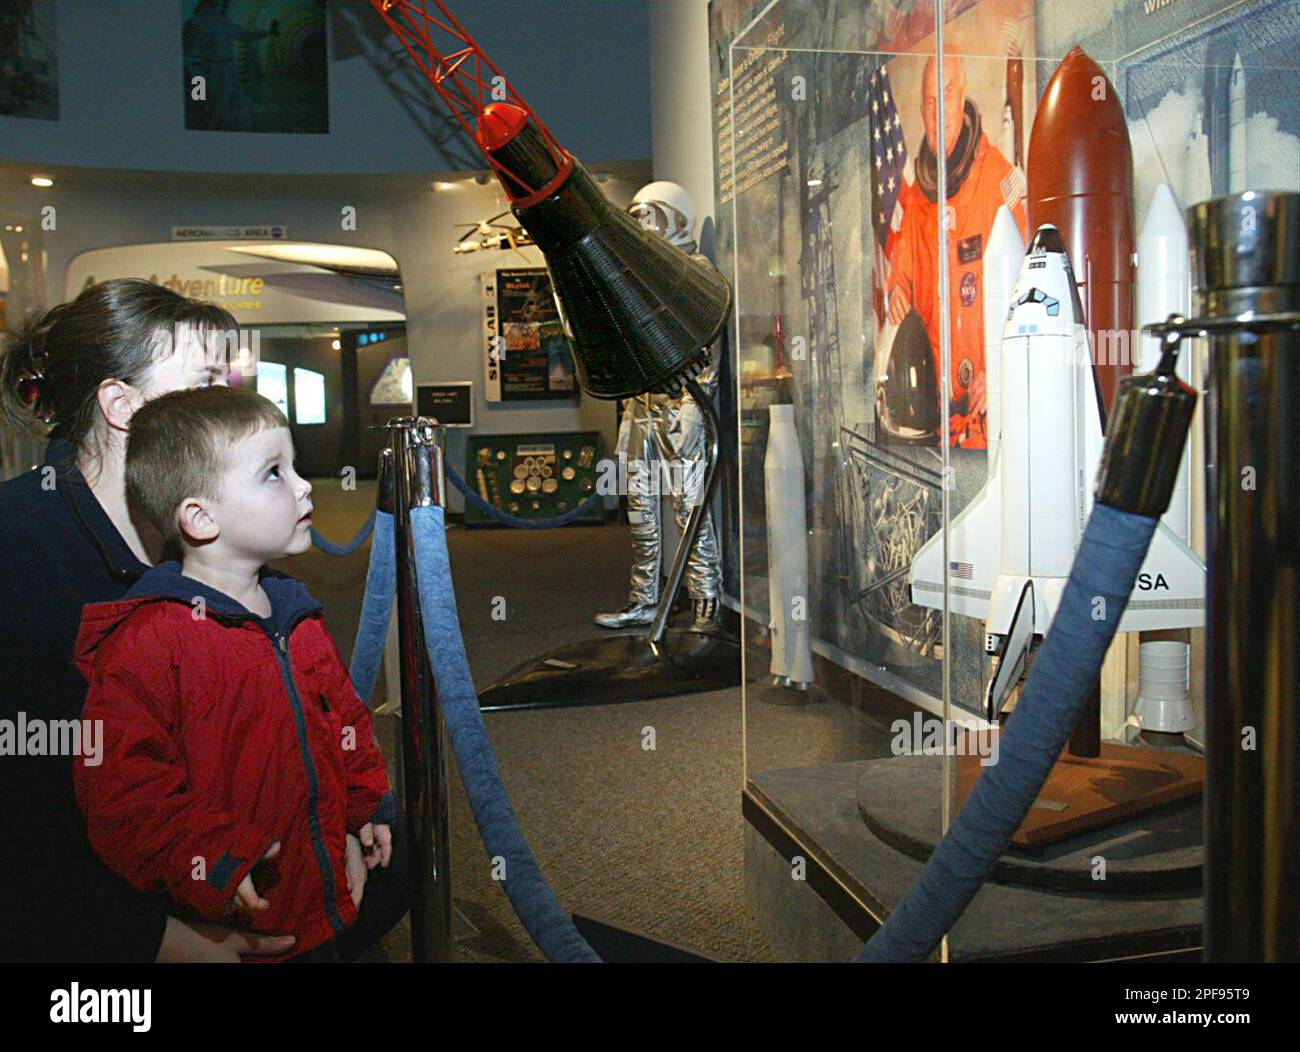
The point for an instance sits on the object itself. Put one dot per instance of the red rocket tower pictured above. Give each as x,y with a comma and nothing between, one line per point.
479,96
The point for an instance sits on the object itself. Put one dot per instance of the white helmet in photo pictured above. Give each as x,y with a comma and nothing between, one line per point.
667,209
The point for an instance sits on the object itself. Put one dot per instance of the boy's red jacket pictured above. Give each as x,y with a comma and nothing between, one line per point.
222,733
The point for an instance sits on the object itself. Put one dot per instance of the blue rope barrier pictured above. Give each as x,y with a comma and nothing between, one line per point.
491,510
1105,569
548,923
376,607
330,548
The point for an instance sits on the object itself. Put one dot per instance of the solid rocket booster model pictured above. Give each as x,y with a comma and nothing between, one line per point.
1164,287
1010,550
1002,259
787,552
1081,182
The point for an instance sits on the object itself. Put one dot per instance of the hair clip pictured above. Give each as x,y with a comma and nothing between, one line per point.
31,388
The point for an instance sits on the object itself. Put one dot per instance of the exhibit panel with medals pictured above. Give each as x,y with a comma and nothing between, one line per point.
1018,633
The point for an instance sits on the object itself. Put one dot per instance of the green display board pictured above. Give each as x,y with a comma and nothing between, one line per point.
537,476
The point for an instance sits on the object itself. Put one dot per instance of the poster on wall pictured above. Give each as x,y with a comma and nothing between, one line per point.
833,226
255,66
29,71
1212,110
526,353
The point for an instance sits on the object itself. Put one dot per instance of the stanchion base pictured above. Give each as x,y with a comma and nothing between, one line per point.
617,668
616,945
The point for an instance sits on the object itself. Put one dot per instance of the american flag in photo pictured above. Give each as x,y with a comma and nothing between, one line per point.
888,153
961,571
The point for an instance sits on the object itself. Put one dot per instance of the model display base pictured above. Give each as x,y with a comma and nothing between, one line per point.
899,799
854,878
1083,793
617,668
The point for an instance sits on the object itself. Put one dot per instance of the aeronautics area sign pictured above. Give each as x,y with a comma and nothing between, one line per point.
266,232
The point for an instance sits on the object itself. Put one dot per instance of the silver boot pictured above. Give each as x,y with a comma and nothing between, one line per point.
631,616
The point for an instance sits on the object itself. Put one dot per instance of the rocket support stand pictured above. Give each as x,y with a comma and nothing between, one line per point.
660,624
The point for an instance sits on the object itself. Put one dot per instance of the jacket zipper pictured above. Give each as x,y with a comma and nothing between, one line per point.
281,646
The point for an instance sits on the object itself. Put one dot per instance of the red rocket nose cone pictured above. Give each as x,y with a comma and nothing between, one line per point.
1079,142
499,123
1078,63
1076,82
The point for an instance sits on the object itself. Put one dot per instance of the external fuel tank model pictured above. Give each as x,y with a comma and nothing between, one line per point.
1081,182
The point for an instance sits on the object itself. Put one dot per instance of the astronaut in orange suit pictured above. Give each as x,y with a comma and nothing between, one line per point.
980,180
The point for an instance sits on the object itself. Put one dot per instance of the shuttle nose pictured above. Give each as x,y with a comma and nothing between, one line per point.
1048,239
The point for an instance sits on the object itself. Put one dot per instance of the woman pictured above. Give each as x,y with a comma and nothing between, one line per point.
67,538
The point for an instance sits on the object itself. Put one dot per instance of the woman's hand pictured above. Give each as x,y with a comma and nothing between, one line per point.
377,843
355,864
185,942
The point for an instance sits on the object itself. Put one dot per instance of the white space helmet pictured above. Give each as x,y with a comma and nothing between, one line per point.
667,209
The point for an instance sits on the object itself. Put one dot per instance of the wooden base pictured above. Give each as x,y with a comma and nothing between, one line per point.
1090,793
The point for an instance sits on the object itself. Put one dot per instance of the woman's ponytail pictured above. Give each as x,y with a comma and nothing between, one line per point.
24,392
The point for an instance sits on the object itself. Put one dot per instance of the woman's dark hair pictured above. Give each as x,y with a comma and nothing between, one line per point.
51,365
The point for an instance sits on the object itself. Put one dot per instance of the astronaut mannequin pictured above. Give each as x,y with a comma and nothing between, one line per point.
665,441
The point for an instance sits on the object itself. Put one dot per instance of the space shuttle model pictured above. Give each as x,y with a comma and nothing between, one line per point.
1010,550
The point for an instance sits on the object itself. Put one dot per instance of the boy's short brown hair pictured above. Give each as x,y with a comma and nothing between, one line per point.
176,448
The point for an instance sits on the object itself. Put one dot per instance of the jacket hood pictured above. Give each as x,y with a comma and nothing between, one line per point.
290,602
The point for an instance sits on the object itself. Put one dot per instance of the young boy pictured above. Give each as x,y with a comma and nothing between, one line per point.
237,756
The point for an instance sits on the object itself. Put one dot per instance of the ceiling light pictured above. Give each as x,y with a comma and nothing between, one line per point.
42,180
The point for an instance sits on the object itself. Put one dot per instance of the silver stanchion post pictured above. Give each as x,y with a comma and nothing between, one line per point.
418,481
1246,252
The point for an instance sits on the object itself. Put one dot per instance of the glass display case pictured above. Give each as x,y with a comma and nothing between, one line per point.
915,464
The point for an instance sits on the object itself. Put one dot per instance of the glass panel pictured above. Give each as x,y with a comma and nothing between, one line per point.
841,466
877,558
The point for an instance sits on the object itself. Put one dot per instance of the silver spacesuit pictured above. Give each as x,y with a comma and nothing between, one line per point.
665,441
